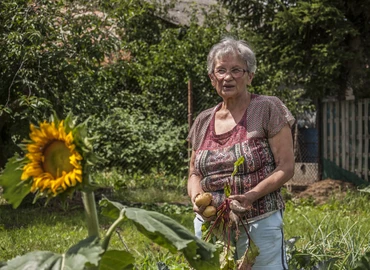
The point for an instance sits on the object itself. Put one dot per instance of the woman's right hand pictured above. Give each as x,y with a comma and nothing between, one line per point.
200,210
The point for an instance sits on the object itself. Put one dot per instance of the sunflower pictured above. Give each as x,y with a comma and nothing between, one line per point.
53,163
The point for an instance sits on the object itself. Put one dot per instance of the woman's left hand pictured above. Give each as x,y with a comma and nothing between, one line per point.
240,203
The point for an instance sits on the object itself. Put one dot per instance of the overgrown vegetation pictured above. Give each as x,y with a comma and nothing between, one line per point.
331,236
124,68
97,60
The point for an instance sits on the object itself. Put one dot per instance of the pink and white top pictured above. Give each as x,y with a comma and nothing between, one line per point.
217,153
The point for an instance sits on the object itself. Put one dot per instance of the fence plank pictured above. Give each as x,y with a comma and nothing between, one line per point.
343,134
353,138
346,136
325,130
331,129
366,137
359,138
337,133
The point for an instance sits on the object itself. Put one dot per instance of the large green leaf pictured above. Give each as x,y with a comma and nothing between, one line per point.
86,252
117,260
168,233
14,188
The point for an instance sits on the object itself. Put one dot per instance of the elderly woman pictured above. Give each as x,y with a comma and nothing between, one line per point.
256,127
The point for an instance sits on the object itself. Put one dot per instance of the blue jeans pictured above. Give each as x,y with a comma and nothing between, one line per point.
267,234
198,221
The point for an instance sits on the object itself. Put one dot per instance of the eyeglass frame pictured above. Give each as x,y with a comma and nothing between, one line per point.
230,71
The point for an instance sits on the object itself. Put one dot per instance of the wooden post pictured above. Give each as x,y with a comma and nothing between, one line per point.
343,134
190,112
331,130
366,137
324,113
319,125
337,133
353,138
360,138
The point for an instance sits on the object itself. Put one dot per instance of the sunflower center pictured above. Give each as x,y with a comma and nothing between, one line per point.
57,159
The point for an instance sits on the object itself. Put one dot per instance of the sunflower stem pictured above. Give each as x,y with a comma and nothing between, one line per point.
91,213
112,229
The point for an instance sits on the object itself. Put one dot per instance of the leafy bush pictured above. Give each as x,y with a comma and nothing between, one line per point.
138,141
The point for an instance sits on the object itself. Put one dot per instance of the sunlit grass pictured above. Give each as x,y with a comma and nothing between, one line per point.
55,228
334,235
336,232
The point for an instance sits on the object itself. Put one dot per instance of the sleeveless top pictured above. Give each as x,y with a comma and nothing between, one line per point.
217,153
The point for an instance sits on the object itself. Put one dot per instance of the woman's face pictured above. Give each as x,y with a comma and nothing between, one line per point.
230,77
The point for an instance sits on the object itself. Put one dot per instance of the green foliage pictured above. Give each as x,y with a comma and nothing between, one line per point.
299,48
133,139
336,232
142,189
117,259
159,228
167,233
85,252
14,192
329,235
364,262
79,56
45,46
123,180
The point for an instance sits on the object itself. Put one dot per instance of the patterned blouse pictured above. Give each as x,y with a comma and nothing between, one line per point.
217,153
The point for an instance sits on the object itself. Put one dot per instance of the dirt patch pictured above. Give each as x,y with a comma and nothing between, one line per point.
322,191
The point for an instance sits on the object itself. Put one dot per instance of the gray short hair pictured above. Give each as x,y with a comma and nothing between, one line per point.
227,46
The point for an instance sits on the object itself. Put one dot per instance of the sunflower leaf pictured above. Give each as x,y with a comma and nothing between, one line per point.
10,180
117,259
86,252
168,233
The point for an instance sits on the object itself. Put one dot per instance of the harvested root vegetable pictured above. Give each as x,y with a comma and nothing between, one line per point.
209,211
236,207
203,199
229,215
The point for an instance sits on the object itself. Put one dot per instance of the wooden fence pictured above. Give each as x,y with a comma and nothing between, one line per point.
345,135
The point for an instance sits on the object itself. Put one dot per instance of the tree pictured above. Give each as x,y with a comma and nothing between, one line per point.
321,46
49,51
79,56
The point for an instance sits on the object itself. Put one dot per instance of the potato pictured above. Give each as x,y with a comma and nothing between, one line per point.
203,199
209,211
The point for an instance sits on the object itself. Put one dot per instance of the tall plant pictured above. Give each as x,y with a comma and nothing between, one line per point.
57,161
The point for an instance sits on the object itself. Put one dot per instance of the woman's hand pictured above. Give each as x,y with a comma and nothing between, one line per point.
201,209
240,203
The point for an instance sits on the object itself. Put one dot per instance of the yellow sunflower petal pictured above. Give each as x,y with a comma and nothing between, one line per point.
79,177
37,135
35,157
34,148
49,130
69,139
72,176
54,163
67,179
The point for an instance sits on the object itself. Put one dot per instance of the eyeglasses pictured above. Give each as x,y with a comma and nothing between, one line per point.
235,73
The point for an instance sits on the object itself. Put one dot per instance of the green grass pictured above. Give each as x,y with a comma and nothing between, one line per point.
57,227
336,233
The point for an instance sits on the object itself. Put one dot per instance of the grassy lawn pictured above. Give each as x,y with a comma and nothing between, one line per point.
56,227
336,232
